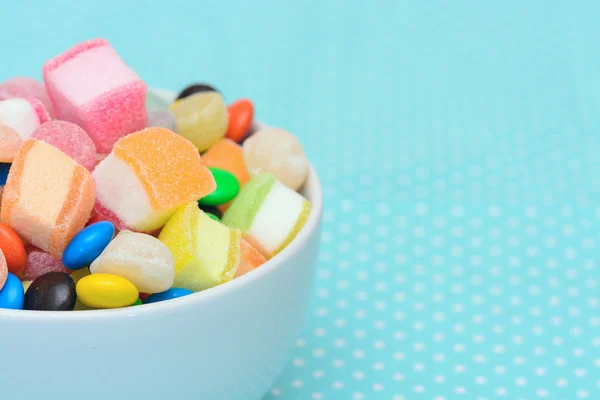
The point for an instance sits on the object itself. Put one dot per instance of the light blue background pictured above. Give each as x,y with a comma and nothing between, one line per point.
457,142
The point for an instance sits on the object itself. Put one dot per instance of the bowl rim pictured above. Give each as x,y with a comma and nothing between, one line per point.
312,186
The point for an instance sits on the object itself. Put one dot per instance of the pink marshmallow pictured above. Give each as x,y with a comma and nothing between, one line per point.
21,86
70,139
91,86
39,263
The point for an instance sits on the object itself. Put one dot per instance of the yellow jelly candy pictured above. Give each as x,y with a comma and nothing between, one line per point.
207,253
201,118
106,291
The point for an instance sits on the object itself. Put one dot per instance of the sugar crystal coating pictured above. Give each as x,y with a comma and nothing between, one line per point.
3,269
142,259
278,152
202,118
207,253
269,214
91,86
250,259
147,176
70,139
25,87
39,263
49,221
227,154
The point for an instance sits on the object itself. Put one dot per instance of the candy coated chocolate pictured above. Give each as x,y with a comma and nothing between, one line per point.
54,291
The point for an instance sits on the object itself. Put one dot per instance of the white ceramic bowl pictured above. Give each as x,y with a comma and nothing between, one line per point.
228,342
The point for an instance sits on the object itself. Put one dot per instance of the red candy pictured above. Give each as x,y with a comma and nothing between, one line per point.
13,249
241,113
40,263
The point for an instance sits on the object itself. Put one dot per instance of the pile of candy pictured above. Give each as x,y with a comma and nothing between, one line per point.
111,197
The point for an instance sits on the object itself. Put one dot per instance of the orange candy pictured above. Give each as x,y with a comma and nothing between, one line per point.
227,155
13,249
250,258
10,141
241,113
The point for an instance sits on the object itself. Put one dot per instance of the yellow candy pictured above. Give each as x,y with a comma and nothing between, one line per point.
26,285
207,253
201,118
106,291
76,276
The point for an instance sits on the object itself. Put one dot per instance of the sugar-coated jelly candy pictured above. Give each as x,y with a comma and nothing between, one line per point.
23,115
201,118
162,119
40,263
227,155
140,258
207,253
3,269
48,221
169,294
277,151
88,244
227,188
12,293
139,187
91,86
241,113
250,259
10,141
106,291
70,139
195,88
269,214
13,248
25,87
54,291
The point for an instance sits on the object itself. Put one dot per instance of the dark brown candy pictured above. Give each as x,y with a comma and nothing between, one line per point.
195,88
54,291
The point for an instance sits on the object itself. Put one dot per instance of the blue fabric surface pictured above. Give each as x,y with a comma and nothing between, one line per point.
457,143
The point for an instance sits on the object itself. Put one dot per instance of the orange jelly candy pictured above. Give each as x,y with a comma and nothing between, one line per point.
227,155
13,249
250,258
241,113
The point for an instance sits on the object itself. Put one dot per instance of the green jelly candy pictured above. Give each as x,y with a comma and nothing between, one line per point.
227,188
213,216
138,302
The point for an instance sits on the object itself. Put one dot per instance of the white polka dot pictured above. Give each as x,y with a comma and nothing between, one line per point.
297,383
275,392
378,387
521,381
357,396
317,396
317,374
298,362
337,385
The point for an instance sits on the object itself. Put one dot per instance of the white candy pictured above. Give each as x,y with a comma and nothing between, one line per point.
142,259
278,152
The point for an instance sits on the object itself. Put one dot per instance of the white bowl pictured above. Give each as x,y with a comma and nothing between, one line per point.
228,342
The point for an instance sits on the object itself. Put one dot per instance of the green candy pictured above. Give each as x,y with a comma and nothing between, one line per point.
227,188
138,302
213,216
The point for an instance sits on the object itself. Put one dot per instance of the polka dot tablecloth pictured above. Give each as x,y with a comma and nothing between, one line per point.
458,145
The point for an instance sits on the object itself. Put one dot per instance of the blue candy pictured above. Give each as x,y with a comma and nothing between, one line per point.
169,294
4,168
87,245
12,295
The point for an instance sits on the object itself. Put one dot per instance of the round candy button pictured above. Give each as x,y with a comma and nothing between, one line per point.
54,291
13,249
87,245
241,113
169,294
227,188
106,291
12,294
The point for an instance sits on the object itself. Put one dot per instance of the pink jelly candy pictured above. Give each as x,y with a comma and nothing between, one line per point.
91,86
24,87
39,263
70,139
